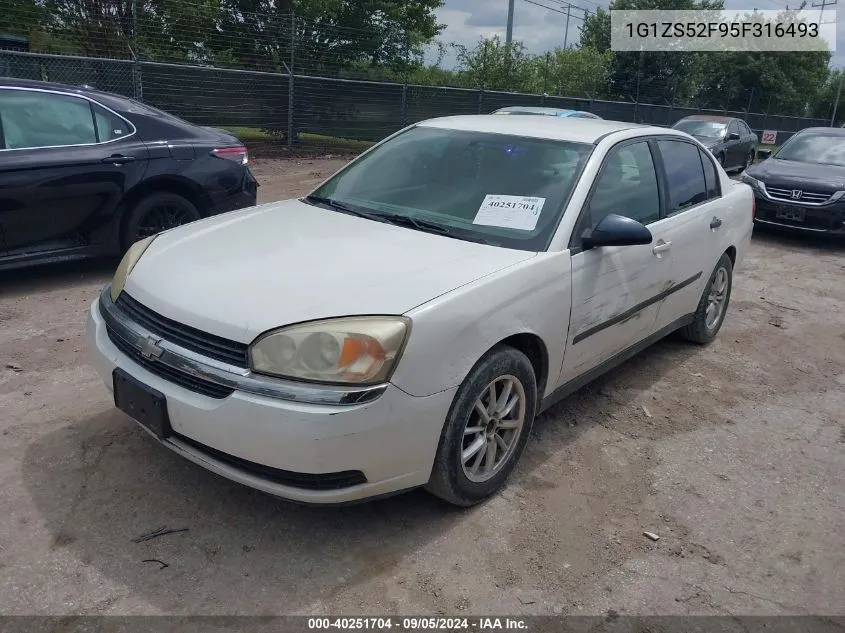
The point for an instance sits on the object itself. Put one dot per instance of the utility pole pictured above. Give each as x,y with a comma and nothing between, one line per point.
509,36
838,93
566,32
822,5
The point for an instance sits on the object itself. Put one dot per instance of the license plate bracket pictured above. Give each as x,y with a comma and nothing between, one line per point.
142,403
794,214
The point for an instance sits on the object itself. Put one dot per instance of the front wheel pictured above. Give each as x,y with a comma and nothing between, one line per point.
713,305
486,429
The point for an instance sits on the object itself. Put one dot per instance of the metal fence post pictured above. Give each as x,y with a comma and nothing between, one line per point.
480,100
137,81
290,78
404,105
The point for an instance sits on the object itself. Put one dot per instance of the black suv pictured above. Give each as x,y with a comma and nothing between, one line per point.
85,173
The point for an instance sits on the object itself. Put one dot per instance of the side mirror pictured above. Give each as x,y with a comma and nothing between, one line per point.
616,230
733,136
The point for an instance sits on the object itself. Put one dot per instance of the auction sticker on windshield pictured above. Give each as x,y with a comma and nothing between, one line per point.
510,212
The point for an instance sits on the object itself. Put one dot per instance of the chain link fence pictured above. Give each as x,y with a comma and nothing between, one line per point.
281,82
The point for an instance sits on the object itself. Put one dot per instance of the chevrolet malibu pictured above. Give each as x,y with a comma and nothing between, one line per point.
404,324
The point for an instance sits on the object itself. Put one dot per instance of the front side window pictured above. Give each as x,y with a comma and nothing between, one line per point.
41,119
626,186
684,174
501,189
819,149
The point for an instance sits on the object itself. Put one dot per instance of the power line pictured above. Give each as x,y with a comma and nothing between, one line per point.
822,5
555,10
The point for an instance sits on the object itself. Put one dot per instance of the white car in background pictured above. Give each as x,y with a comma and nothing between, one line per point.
403,325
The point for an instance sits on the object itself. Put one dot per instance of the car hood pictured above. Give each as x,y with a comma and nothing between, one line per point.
240,274
791,174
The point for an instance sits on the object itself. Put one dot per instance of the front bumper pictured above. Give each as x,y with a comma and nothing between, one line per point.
296,450
828,218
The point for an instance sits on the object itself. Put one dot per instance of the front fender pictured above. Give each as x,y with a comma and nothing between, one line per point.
452,332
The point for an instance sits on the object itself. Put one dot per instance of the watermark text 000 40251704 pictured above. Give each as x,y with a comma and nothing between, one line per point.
727,30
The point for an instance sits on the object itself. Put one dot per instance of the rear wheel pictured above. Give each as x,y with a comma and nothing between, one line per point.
486,429
155,213
713,305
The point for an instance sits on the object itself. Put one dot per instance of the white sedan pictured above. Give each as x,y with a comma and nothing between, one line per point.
403,324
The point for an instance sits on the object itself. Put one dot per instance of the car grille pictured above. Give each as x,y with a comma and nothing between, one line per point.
191,383
208,345
807,197
307,481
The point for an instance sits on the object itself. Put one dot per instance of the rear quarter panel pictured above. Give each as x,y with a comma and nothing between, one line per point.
738,221
451,333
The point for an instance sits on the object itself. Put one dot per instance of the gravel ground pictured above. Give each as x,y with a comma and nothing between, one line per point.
732,453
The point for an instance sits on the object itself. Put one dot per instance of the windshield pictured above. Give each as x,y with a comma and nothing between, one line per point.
504,190
702,127
821,149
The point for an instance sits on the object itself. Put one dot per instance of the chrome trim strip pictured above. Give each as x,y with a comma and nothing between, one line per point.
790,226
77,96
225,375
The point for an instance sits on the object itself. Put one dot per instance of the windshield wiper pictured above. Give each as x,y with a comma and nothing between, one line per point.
431,227
334,204
398,220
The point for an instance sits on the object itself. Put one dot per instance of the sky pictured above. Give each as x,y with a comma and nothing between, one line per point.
542,29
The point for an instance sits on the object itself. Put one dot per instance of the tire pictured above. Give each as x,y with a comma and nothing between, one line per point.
721,158
455,481
700,330
154,213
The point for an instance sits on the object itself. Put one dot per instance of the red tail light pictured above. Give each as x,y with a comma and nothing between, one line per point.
753,207
236,154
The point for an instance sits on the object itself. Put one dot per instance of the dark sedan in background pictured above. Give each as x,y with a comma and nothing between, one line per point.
730,140
85,173
802,186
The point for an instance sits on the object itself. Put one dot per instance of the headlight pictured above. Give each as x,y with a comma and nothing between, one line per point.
127,264
748,180
358,350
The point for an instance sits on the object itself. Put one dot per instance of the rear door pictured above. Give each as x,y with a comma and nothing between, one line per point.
691,226
65,165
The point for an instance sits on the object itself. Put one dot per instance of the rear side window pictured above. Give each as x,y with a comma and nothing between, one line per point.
684,174
109,126
711,180
41,119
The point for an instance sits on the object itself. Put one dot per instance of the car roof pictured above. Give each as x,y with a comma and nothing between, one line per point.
11,82
708,117
537,109
828,131
540,126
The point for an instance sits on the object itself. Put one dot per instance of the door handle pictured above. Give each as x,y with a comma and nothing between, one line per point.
661,248
119,159
715,223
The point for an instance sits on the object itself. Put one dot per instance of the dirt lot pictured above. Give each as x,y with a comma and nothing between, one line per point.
733,454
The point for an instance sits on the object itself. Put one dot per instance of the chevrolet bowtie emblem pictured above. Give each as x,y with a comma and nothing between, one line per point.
150,348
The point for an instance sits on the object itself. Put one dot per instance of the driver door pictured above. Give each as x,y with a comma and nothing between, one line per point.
616,291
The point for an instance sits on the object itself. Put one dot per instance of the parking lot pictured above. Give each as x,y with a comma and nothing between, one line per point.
733,454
